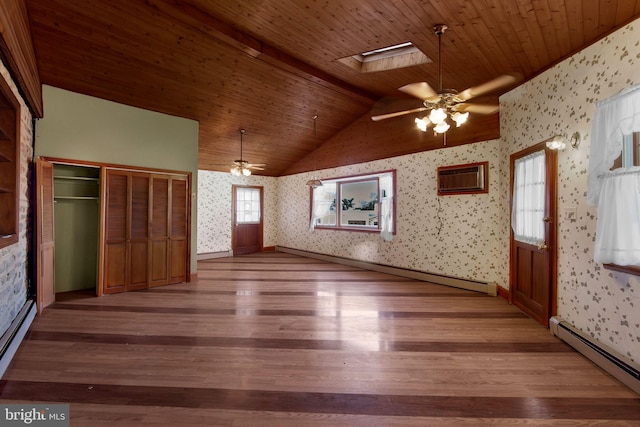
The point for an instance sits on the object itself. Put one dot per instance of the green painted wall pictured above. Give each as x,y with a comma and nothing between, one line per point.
77,220
82,127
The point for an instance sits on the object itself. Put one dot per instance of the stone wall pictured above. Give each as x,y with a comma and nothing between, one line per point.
13,258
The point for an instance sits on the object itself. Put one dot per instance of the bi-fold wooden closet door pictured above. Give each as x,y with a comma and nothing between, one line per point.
145,230
126,231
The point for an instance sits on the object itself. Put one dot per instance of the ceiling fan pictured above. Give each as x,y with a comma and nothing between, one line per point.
448,103
243,167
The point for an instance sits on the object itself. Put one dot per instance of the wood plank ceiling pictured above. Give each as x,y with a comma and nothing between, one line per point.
269,66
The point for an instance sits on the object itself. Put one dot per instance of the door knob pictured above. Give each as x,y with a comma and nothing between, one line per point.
543,246
547,219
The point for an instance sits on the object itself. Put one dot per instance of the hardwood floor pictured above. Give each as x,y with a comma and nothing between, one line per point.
279,340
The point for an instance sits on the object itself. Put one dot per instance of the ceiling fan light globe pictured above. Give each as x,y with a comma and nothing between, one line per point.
460,118
235,171
246,172
437,116
423,123
441,127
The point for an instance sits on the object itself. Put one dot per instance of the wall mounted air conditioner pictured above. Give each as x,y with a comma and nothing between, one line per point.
463,179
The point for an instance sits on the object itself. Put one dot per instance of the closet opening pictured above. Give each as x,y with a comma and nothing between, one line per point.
76,196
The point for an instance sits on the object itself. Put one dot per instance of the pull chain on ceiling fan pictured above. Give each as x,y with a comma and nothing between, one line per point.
448,103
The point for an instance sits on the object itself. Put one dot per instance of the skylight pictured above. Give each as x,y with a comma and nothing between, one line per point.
400,55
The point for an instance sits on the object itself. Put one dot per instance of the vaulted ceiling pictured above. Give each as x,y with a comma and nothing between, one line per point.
270,66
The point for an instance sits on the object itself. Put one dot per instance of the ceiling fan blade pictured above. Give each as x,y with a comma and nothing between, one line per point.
260,165
258,168
477,108
390,104
397,114
488,87
420,90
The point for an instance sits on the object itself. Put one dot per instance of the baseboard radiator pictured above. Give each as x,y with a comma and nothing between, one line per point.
608,359
12,338
490,288
213,255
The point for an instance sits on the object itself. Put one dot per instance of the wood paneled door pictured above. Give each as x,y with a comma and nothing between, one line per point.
533,232
247,219
45,282
146,229
126,231
159,230
179,230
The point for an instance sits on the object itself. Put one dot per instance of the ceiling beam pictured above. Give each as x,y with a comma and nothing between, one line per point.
227,33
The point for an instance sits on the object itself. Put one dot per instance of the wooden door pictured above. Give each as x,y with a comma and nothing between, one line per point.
138,240
116,232
159,230
533,232
45,282
178,249
247,219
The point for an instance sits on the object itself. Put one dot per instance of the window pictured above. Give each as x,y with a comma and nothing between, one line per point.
247,205
627,163
9,165
386,58
358,203
614,185
529,199
630,155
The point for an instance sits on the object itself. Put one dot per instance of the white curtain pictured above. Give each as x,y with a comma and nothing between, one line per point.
615,117
320,207
386,207
616,193
527,211
618,225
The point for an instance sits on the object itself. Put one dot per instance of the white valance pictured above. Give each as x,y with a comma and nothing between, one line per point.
618,225
614,117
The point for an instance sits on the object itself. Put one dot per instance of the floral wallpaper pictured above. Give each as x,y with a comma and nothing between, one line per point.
600,302
214,209
467,236
433,234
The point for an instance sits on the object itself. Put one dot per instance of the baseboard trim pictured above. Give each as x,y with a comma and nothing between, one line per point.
608,359
212,255
268,249
503,293
12,338
489,288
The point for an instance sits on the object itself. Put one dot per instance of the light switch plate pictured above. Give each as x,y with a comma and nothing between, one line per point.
570,213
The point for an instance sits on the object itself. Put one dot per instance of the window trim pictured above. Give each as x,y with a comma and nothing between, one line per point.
630,269
358,178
